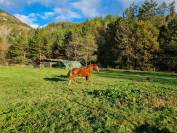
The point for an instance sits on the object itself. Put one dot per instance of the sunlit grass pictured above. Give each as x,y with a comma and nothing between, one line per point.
40,100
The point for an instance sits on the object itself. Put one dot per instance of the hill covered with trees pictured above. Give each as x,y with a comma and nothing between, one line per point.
144,38
8,25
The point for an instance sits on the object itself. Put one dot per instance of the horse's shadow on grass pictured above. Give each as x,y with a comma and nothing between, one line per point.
57,78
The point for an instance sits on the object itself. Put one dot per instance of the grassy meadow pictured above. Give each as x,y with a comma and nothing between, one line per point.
120,101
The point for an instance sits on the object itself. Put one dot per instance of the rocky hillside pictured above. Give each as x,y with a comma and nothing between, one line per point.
6,18
9,25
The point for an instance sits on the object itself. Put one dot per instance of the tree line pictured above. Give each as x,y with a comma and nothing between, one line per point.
144,38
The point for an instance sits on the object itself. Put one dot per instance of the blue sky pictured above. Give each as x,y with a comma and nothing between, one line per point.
38,13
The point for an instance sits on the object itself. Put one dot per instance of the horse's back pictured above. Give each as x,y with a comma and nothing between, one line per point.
83,71
76,71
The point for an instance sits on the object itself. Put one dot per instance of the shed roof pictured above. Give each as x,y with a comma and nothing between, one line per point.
71,64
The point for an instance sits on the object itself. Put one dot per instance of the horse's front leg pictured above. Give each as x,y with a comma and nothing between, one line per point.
70,80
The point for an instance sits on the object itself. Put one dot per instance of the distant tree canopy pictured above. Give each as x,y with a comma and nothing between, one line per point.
144,38
131,44
168,46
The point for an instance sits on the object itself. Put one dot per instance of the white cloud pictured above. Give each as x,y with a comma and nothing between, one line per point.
29,19
42,26
89,8
19,3
64,14
47,15
6,2
58,14
65,10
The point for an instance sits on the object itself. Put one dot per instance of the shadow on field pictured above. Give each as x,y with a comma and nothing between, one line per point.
57,78
163,78
146,128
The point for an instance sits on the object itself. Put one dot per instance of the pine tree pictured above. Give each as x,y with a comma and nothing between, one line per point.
131,44
74,45
34,48
172,8
131,12
58,45
148,10
168,45
89,49
18,49
162,9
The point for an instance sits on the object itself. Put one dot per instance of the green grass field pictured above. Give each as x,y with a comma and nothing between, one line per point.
39,100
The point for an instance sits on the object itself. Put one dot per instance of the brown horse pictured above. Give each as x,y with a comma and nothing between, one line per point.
84,72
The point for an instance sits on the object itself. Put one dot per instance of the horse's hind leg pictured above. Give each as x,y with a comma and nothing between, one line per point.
87,77
88,81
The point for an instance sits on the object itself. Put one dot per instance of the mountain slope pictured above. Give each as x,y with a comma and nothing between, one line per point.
61,26
9,25
6,18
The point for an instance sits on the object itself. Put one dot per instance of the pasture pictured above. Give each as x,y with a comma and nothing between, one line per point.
39,100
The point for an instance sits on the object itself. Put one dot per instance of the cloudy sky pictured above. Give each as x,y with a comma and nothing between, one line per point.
38,13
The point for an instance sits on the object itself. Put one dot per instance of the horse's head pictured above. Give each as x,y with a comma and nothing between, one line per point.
94,67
